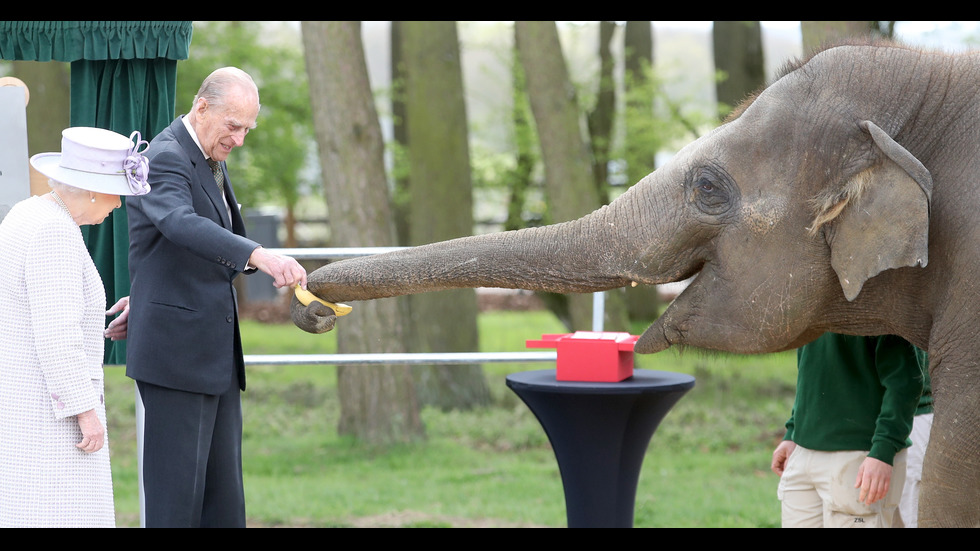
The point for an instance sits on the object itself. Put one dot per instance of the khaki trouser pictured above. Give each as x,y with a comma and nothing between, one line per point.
909,507
817,490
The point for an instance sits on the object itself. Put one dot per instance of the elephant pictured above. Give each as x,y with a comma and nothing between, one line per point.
843,196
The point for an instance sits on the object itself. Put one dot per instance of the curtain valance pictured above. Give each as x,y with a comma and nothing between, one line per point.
94,40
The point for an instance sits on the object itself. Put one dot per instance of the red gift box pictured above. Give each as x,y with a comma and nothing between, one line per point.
591,356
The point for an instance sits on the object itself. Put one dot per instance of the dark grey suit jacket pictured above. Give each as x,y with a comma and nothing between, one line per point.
184,254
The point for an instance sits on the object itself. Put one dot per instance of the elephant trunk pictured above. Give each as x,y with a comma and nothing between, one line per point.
578,256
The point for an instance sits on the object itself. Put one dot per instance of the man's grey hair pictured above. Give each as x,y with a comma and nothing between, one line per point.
221,81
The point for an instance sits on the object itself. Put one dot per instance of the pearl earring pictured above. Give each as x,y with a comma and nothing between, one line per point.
93,198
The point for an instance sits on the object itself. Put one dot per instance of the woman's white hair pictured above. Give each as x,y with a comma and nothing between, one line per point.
65,189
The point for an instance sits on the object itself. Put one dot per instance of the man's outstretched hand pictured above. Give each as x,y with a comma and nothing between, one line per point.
284,270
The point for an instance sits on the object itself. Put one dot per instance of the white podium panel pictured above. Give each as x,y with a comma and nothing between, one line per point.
15,182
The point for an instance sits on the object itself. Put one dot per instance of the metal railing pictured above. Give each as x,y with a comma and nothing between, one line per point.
327,253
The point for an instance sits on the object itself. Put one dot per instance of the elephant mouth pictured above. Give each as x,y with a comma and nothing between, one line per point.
653,340
666,330
693,319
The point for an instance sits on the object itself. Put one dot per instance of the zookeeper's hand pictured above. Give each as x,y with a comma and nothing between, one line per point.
780,455
284,270
874,477
117,328
93,433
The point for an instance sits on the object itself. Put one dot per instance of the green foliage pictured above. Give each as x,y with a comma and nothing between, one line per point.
653,122
514,171
707,464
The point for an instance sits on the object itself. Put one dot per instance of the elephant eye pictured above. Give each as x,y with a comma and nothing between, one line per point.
711,192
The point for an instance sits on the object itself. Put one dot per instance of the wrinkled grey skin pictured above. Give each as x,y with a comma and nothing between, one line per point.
843,198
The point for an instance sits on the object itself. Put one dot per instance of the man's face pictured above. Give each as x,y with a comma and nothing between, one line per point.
221,128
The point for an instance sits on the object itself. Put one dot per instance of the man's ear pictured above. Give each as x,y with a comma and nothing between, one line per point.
200,107
881,219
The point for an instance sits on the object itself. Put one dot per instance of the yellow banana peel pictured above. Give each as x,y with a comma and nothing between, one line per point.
305,297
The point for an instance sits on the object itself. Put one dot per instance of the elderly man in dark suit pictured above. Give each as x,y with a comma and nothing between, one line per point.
187,245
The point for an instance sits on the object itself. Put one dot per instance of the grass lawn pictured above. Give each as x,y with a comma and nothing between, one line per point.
707,465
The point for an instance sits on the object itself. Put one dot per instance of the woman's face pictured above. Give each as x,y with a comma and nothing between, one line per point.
100,209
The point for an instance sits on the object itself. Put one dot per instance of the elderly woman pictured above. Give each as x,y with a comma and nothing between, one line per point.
54,468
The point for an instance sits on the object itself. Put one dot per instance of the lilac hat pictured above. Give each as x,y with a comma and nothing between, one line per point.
97,160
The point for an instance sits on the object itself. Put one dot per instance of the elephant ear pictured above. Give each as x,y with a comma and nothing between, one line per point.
881,219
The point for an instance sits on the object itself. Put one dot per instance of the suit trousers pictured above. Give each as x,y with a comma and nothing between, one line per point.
817,491
192,458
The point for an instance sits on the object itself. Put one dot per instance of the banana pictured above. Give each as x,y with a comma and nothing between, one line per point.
306,297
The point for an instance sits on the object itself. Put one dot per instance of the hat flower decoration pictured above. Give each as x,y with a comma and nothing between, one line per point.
137,166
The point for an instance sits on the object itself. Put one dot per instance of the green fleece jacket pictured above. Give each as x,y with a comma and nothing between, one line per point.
925,402
856,393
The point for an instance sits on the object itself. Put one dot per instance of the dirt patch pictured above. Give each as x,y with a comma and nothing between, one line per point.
404,519
398,519
408,519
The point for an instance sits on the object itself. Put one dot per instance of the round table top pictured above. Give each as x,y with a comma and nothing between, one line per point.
642,381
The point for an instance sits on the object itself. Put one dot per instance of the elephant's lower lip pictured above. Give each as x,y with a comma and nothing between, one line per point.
652,340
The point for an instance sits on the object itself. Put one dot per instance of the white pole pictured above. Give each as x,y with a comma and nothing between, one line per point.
598,310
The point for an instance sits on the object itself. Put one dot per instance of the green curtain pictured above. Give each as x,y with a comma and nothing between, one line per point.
123,78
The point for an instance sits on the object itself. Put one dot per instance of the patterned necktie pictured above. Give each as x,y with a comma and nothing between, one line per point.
219,177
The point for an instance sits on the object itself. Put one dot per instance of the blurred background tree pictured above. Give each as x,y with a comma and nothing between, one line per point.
818,33
378,404
739,61
440,203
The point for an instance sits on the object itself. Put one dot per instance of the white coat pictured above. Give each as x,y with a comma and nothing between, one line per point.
52,315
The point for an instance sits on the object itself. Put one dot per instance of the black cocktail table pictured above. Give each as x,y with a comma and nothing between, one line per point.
600,433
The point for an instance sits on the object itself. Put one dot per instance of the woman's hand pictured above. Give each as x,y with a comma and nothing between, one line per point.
93,433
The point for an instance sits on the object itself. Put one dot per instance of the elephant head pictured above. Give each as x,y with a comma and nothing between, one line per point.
783,212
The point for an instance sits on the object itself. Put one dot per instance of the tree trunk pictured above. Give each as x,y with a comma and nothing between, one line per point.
519,178
603,114
643,301
737,47
601,121
400,177
569,184
290,224
378,403
638,46
441,206
48,110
